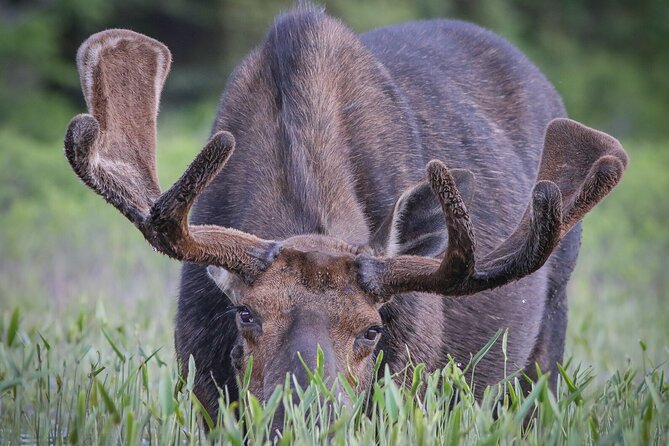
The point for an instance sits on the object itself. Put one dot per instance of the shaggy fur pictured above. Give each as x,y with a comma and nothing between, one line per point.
321,227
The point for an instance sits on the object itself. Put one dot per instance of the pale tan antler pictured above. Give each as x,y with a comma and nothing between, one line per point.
579,167
113,151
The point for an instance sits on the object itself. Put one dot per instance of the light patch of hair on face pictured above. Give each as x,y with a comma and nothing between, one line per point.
227,282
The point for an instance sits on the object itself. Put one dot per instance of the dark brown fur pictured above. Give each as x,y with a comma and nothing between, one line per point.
332,133
393,102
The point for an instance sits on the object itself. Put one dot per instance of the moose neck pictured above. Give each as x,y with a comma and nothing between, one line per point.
316,118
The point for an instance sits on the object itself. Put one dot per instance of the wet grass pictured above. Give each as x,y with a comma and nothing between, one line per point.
87,380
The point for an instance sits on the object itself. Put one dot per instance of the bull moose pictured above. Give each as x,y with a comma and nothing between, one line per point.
325,229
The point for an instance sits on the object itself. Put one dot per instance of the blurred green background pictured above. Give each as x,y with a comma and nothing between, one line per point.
63,249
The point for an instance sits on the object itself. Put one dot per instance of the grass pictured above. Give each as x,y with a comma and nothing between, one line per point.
86,380
86,322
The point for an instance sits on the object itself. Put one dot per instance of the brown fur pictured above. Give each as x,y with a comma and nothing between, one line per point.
333,132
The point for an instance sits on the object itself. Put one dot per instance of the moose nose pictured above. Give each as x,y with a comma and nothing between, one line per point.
308,334
299,364
299,357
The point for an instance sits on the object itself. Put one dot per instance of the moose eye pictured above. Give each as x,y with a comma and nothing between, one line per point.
250,325
372,333
245,315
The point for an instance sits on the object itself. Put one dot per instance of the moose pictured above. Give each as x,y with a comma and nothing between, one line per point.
412,190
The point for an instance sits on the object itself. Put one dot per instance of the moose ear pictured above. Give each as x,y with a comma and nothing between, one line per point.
416,225
231,284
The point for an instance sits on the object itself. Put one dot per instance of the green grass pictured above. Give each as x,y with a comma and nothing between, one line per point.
86,323
87,380
619,292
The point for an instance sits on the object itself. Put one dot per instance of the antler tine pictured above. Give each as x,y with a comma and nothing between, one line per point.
113,152
130,193
574,151
384,277
579,167
168,230
459,259
113,149
458,273
528,248
169,214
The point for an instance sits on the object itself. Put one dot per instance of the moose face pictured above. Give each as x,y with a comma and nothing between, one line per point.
308,298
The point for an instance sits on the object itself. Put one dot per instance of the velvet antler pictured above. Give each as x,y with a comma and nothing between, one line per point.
579,167
112,150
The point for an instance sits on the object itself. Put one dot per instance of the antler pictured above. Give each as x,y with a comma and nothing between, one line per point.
113,151
579,167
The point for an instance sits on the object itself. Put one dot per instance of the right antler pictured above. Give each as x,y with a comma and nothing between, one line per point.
579,167
113,151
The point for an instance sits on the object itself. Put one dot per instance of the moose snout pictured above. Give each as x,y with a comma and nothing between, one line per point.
300,358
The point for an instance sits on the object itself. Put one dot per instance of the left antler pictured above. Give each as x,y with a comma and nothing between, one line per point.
579,167
113,151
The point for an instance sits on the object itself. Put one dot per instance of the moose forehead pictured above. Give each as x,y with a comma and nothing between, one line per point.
308,271
313,271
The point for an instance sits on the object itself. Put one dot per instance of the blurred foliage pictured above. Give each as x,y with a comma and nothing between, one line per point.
620,289
609,59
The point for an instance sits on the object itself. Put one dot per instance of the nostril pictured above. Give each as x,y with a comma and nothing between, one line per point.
342,397
312,409
277,423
